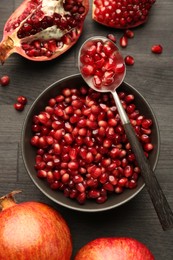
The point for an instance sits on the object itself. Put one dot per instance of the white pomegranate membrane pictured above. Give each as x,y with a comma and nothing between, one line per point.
101,63
82,149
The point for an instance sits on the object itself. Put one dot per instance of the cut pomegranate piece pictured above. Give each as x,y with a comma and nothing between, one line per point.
42,30
121,14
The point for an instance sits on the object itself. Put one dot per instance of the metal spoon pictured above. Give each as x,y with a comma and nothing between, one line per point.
158,199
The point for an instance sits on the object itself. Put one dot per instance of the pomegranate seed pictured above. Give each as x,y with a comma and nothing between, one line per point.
108,186
131,157
87,70
42,174
73,165
52,102
81,198
80,187
128,171
118,189
148,147
157,49
111,37
19,106
101,199
129,60
4,80
129,33
129,98
93,194
112,180
22,100
66,92
123,41
146,123
145,138
122,181
132,184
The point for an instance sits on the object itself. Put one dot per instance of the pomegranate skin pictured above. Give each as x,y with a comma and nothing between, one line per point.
41,30
33,230
112,248
121,14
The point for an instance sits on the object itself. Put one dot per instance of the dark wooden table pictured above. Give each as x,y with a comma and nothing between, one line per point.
152,75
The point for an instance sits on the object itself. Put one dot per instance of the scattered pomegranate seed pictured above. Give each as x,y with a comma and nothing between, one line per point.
111,37
129,60
87,155
4,80
123,41
22,100
129,33
158,49
19,106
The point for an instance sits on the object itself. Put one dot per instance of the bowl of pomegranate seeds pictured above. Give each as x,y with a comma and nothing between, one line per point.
76,151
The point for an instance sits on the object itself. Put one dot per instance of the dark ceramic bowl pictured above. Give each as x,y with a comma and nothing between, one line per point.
29,151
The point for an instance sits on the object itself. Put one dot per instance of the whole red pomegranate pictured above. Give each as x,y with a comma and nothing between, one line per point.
42,30
32,230
112,248
121,13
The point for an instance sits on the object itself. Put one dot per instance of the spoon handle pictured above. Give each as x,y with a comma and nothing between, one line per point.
157,196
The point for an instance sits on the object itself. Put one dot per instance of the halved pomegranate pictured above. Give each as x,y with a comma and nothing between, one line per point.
121,13
42,30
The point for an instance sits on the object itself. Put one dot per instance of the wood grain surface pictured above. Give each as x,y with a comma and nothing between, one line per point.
151,74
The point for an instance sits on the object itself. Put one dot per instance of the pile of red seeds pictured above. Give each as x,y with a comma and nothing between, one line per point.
82,149
101,62
20,104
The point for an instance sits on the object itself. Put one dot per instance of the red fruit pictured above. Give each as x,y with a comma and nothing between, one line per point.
157,49
4,80
129,33
113,248
111,37
123,41
129,60
19,106
32,230
121,14
42,30
22,100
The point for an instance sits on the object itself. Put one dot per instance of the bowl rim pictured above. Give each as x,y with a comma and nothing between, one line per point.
79,207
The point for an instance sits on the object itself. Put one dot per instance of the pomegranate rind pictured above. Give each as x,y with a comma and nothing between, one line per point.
114,248
12,43
27,221
109,13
